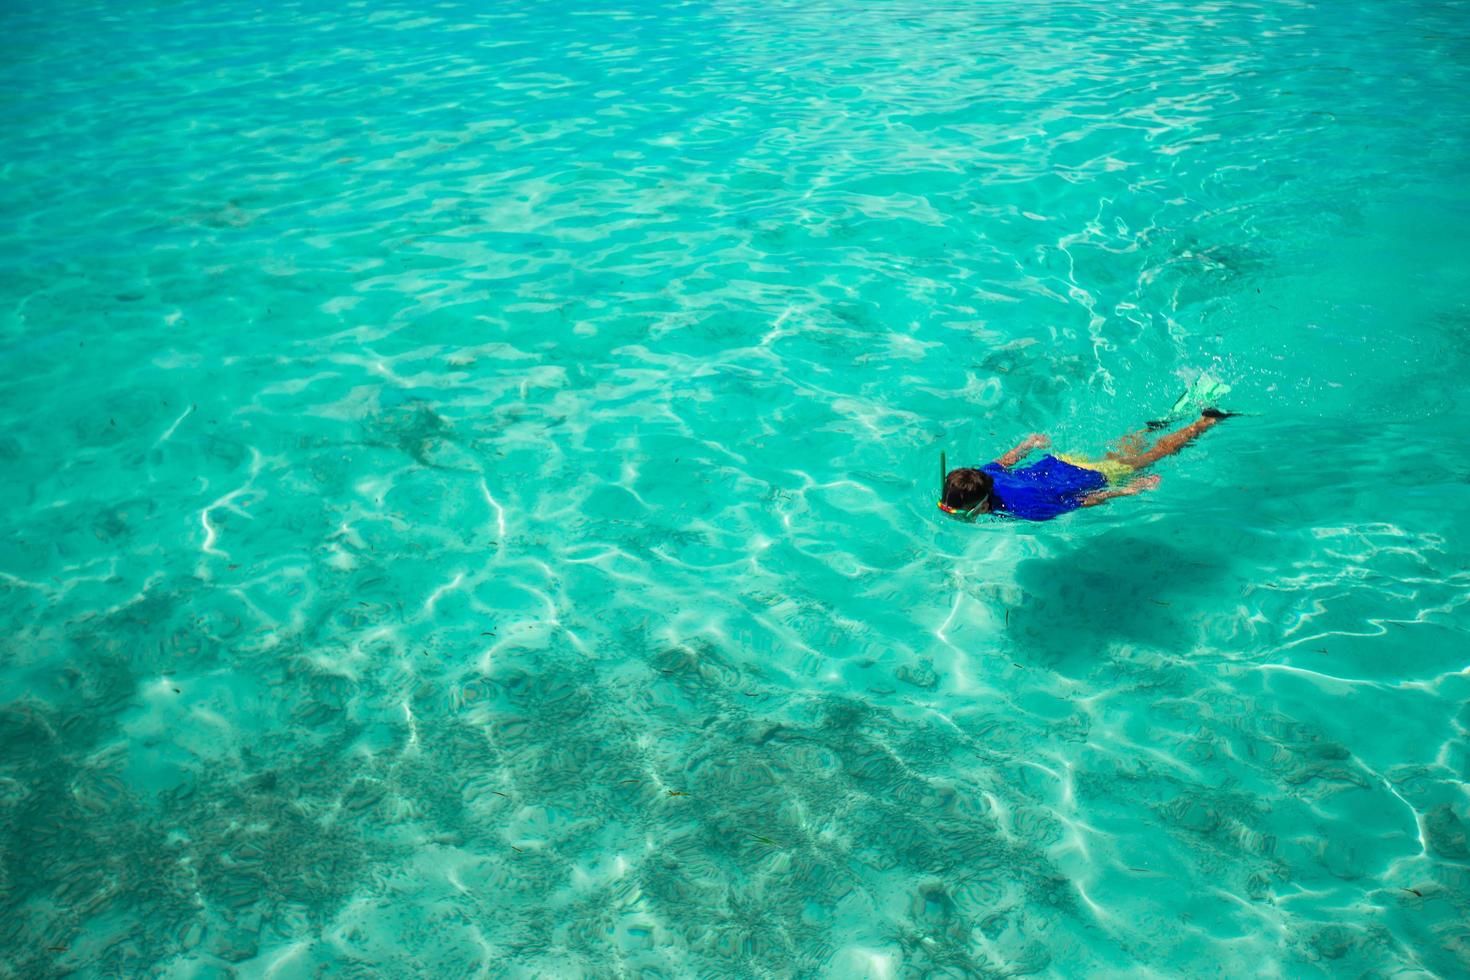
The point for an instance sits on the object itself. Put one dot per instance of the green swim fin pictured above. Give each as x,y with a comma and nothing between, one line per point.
1202,393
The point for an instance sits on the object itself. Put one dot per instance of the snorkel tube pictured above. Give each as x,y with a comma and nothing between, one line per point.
943,472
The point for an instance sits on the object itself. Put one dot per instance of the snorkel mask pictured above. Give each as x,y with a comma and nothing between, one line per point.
959,515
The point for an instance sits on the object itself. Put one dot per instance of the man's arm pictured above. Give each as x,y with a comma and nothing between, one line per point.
1137,486
1034,441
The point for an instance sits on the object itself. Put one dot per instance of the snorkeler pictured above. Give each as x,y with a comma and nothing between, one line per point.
1054,485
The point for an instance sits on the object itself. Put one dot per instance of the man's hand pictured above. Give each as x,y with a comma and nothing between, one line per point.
1142,483
1034,441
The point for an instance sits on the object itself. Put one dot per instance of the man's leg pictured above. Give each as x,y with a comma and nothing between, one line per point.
1133,444
1171,443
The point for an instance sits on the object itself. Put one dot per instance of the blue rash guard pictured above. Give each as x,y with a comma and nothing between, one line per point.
1043,490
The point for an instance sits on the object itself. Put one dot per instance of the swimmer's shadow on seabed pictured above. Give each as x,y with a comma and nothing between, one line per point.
1117,587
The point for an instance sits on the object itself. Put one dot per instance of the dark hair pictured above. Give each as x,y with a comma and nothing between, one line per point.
965,487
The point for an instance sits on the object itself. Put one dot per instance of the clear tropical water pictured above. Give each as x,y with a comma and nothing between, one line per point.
469,477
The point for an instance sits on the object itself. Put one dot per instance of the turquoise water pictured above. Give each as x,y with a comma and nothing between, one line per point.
470,468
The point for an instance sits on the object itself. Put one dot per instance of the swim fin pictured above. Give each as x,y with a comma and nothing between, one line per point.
1203,392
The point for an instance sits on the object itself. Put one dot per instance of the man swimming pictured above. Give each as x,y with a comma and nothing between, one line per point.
1054,485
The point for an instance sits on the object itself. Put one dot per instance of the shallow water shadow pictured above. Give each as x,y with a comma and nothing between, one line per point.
1119,586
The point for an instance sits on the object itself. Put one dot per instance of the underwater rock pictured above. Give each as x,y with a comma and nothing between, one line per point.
1332,943
1446,833
920,675
236,946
